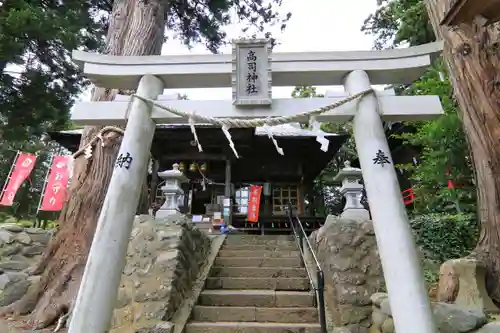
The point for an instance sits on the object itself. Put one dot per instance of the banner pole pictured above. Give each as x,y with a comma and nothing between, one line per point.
10,174
45,183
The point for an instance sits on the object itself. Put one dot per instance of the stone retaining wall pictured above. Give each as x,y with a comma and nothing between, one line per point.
347,252
450,318
164,258
163,261
19,249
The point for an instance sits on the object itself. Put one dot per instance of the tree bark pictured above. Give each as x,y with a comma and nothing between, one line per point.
136,28
472,55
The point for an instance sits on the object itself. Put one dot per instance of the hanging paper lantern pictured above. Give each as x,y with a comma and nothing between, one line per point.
192,167
203,167
182,166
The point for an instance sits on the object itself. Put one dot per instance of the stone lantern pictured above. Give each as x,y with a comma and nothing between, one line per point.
172,189
352,190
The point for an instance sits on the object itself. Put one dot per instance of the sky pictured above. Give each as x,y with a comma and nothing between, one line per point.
316,25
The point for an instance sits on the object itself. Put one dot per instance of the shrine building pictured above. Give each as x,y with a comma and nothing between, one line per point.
216,171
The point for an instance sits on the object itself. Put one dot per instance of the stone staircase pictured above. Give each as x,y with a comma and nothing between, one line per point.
257,285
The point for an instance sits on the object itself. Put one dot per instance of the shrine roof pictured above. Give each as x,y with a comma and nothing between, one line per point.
258,158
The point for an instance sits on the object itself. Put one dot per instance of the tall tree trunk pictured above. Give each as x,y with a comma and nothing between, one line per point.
472,55
136,28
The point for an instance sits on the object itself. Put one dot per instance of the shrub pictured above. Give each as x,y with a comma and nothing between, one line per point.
25,223
3,217
443,237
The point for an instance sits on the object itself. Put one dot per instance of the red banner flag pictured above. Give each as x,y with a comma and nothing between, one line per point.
22,167
254,203
56,186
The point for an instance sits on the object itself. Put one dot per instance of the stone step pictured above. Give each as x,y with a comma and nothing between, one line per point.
259,239
231,237
257,253
258,298
249,327
258,262
257,283
284,242
258,272
260,247
252,314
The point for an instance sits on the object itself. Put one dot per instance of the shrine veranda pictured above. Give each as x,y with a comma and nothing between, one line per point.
252,70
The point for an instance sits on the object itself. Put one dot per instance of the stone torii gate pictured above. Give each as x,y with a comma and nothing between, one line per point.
252,71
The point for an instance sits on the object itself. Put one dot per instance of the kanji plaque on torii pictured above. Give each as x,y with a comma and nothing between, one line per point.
251,72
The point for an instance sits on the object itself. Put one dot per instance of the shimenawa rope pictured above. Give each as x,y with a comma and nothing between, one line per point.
225,123
256,122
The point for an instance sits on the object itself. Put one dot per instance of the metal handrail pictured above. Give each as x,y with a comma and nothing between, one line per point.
319,286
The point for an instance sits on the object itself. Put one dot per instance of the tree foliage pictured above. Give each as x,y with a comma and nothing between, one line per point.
202,21
399,22
444,153
37,37
305,92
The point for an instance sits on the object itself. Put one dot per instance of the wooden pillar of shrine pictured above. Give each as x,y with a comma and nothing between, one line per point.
155,180
267,191
228,207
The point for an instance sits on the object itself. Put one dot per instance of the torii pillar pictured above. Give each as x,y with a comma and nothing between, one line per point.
94,305
400,262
